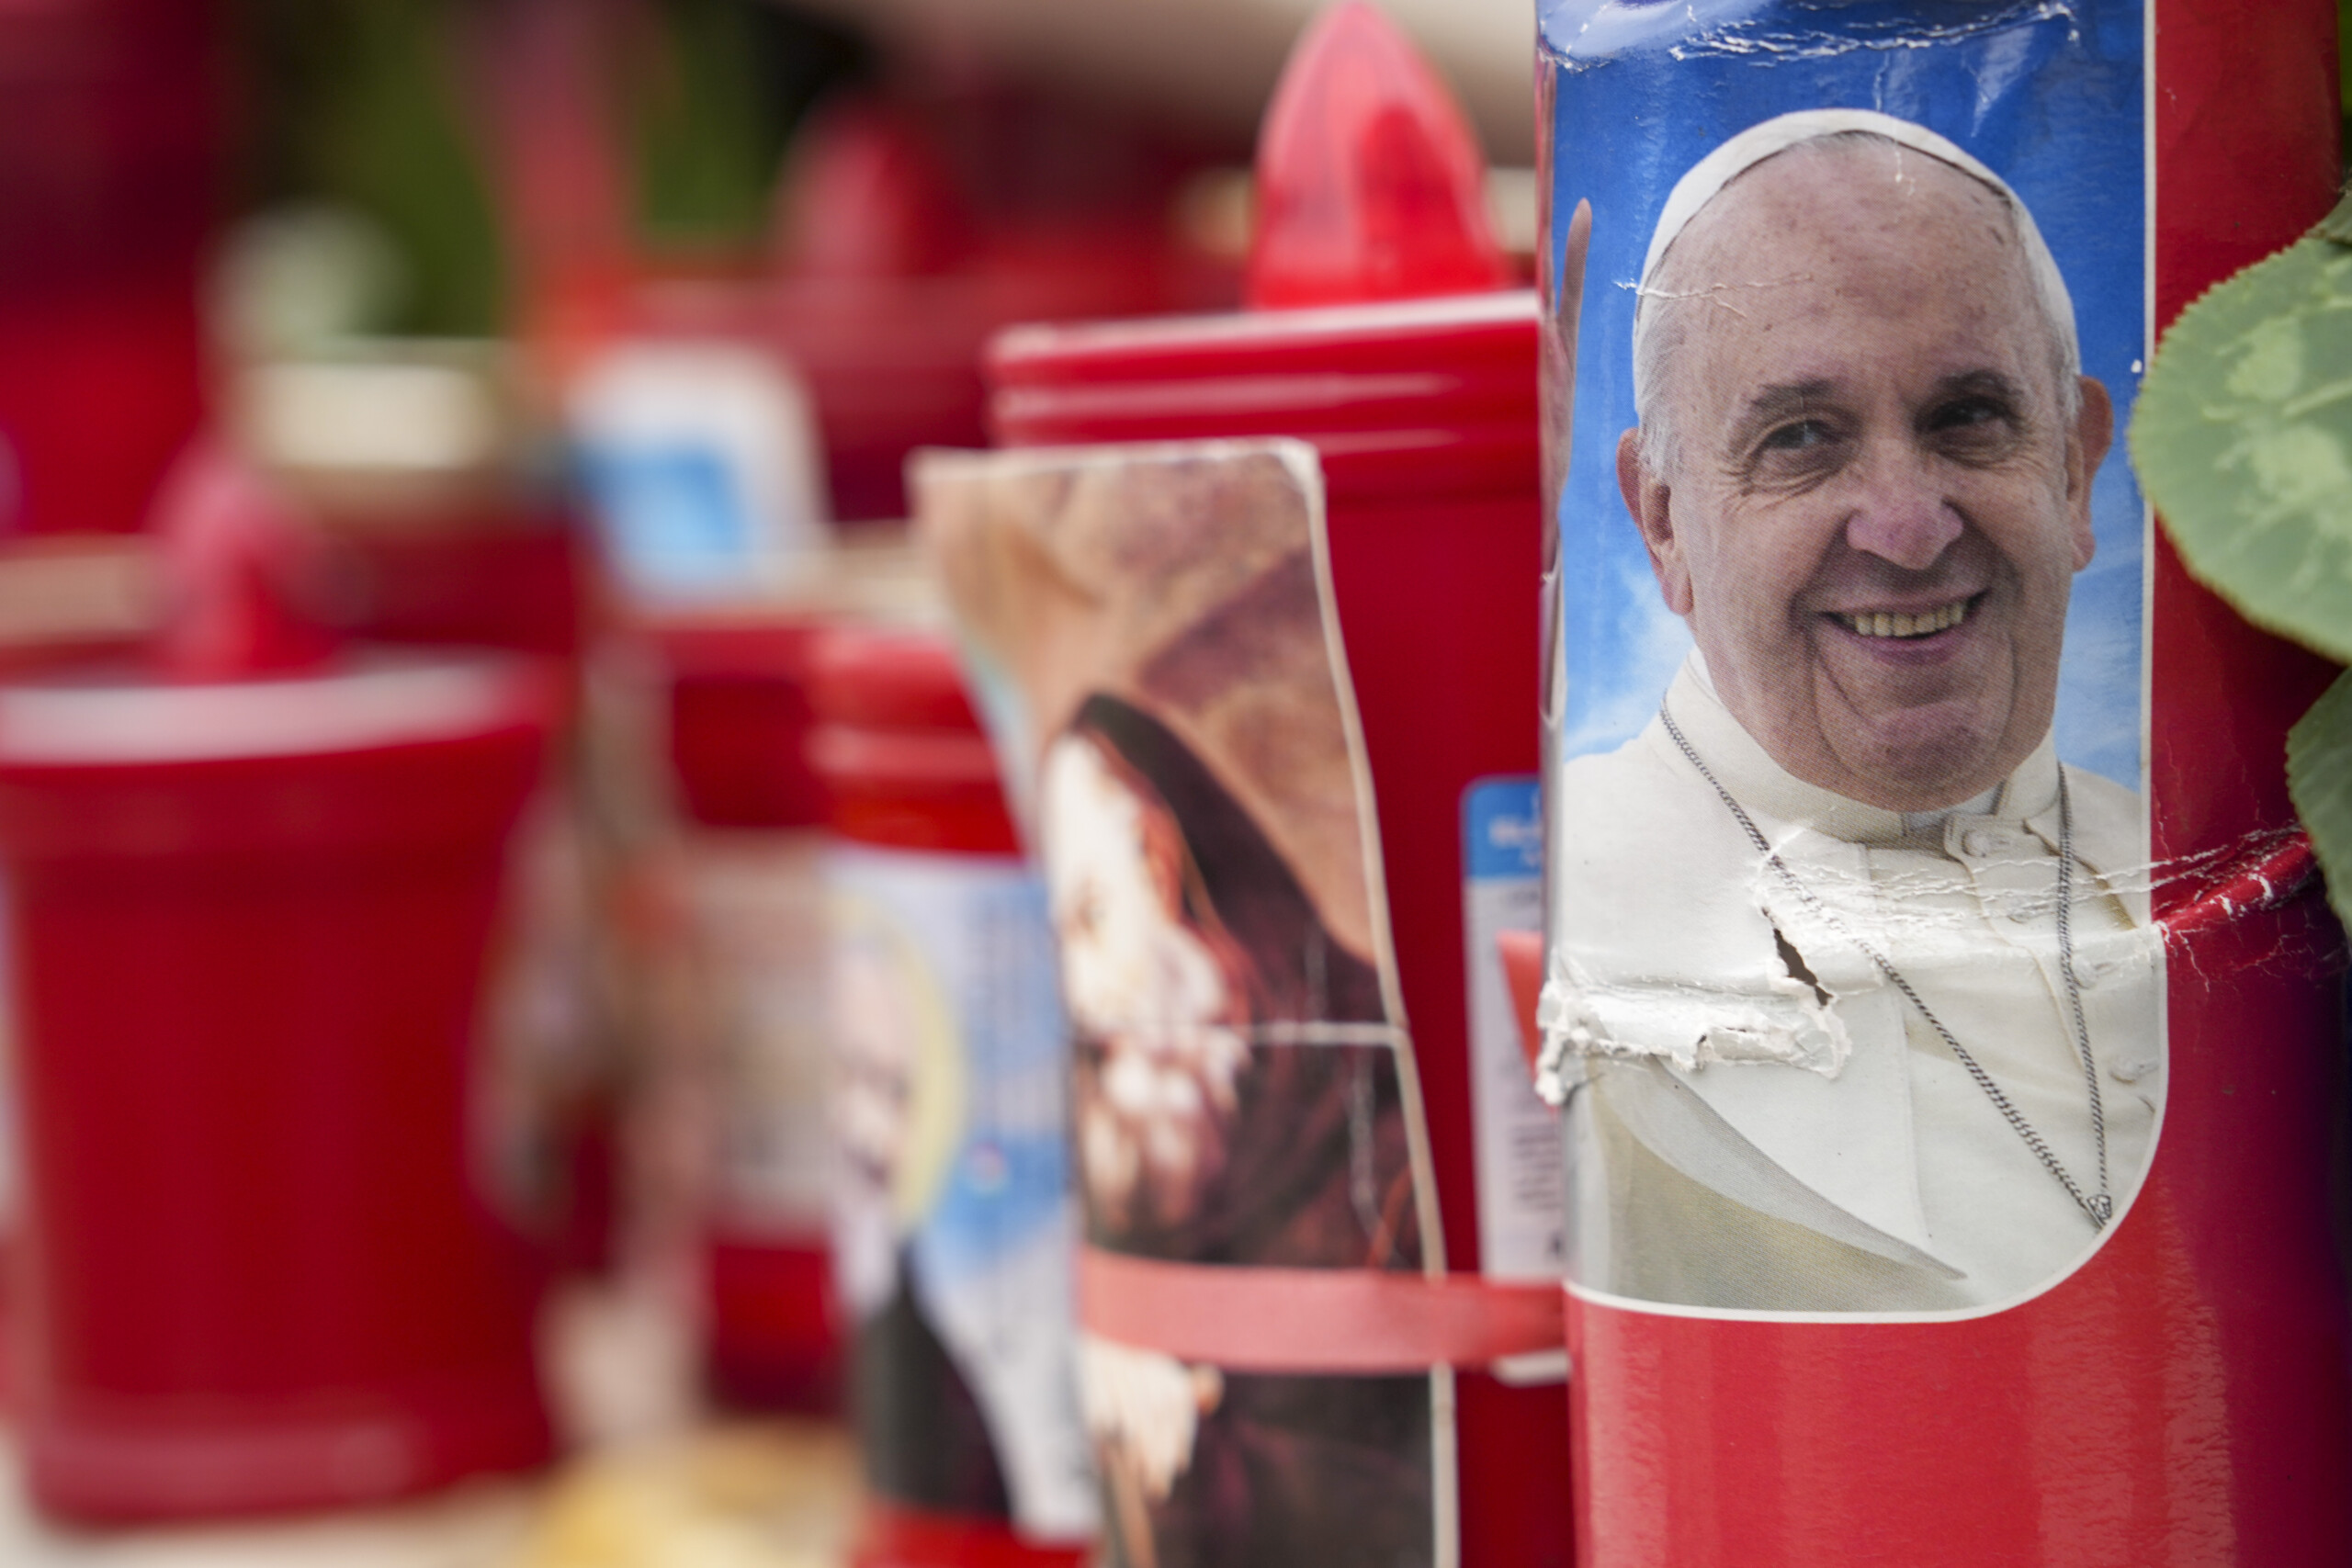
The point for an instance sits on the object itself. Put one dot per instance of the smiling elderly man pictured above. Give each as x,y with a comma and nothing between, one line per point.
1865,1016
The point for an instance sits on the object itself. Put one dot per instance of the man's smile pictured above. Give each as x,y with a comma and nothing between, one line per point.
1907,624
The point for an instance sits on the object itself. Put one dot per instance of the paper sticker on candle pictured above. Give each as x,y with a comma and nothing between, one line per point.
755,985
952,1208
1245,1098
1520,1193
1852,995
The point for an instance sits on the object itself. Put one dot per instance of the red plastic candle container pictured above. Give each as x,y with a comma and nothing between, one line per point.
420,513
1419,396
953,1219
1424,415
739,719
748,893
899,750
507,579
249,927
2149,1368
893,278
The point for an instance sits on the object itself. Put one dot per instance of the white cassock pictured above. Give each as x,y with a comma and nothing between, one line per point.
1761,1119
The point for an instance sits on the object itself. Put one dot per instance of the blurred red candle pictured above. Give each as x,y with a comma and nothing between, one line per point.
254,888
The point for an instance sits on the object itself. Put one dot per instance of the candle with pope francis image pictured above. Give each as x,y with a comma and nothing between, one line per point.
1901,989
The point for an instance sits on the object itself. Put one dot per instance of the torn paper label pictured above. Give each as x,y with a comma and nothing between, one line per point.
1688,1023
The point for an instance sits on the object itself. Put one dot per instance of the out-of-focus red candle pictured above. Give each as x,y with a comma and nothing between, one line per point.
952,1199
1380,336
253,890
747,999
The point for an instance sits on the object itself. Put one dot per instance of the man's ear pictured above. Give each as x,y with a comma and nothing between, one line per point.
1649,497
2087,444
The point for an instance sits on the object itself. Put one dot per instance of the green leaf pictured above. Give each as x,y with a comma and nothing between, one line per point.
2337,225
708,132
2243,439
2319,777
360,108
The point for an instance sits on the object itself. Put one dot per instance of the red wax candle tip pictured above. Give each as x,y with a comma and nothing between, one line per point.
233,555
1370,183
865,198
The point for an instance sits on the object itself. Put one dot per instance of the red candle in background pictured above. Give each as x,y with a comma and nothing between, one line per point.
953,1207
256,888
738,996
894,272
869,306
110,131
421,472
1419,393
427,517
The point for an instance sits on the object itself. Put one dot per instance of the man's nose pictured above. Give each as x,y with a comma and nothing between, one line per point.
1902,514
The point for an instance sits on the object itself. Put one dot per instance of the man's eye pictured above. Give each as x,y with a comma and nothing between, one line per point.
1969,414
1799,436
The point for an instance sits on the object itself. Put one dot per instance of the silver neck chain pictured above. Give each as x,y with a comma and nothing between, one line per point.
2099,1205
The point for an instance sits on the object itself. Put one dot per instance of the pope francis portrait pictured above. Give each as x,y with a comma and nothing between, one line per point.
1854,1000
